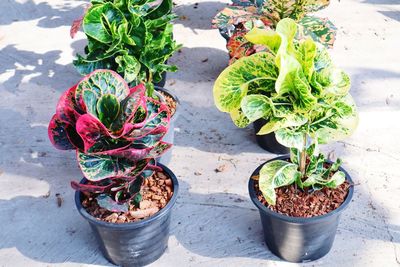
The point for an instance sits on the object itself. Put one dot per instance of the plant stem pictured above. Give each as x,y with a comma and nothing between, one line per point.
150,78
303,157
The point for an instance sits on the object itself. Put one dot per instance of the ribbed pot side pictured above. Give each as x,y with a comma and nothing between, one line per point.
298,239
133,244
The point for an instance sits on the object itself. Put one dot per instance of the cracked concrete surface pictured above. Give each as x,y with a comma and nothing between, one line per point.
214,223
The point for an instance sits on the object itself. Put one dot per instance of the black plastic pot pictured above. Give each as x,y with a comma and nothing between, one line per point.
298,239
133,244
268,141
169,136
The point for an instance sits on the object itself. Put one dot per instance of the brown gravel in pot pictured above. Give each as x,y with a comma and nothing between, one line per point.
156,193
296,203
171,103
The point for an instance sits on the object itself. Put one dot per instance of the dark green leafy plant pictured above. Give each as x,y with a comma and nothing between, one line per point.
237,19
302,95
117,133
133,38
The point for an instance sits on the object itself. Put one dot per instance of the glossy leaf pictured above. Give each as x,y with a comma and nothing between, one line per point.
232,84
267,38
290,138
274,124
133,38
100,167
108,109
255,107
276,174
101,22
59,134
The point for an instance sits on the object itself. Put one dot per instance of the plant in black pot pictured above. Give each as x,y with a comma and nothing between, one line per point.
236,20
126,196
306,101
256,80
134,39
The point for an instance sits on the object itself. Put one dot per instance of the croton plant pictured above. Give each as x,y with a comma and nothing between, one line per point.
241,16
133,38
303,97
117,133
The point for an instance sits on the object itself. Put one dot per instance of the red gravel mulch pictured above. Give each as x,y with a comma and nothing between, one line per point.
296,203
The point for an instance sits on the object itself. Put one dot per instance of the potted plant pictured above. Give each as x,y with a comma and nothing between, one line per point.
125,195
134,39
241,16
236,20
305,100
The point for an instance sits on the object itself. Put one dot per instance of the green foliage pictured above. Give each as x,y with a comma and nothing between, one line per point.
133,38
299,92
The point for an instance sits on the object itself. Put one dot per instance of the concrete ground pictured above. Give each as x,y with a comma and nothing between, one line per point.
214,223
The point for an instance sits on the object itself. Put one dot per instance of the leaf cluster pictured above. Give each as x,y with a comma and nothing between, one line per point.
241,16
117,133
132,37
297,89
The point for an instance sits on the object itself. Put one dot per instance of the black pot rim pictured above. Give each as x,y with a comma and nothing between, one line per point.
291,219
132,225
178,103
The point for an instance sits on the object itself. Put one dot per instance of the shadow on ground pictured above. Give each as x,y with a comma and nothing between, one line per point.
48,16
40,69
198,15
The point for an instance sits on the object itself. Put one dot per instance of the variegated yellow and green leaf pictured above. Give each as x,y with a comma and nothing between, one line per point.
321,30
274,123
255,107
345,125
239,119
267,38
290,138
308,104
232,84
292,81
315,5
276,174
306,53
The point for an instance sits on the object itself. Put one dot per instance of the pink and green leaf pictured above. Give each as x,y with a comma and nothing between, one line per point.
98,83
91,188
99,167
63,135
159,149
96,137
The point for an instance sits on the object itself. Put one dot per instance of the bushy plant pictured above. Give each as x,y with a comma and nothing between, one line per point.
117,133
302,95
133,38
241,16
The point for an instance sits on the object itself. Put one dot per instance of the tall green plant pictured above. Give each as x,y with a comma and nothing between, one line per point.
303,96
133,38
